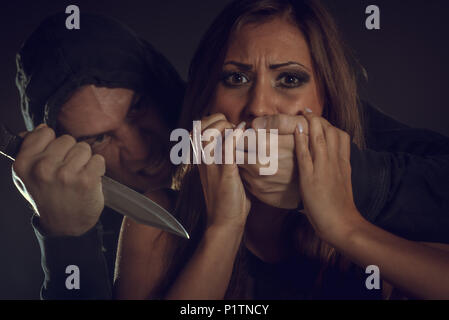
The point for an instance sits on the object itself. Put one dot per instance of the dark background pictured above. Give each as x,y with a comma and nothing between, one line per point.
406,62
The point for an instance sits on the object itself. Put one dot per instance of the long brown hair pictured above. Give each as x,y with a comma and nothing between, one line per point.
335,75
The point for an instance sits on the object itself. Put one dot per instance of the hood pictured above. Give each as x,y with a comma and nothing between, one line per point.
55,61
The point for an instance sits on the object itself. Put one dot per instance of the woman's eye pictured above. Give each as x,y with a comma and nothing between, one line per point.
289,80
235,79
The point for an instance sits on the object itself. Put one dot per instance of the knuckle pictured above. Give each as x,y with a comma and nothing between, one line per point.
219,116
84,146
42,170
221,125
84,181
99,158
320,140
315,121
303,156
68,139
28,136
65,176
47,132
100,161
212,118
42,135
20,166
276,121
326,123
330,131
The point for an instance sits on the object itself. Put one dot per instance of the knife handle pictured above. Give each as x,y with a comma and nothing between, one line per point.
9,142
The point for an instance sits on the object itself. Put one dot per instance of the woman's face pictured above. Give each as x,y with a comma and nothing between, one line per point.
267,70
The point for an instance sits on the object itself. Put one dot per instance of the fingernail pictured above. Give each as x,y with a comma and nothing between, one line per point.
260,123
308,110
241,125
300,128
42,125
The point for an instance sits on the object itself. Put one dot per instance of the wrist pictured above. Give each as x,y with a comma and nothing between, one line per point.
341,234
229,238
66,229
233,228
218,220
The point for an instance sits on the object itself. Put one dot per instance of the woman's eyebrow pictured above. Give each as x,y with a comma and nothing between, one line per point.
248,67
243,66
286,64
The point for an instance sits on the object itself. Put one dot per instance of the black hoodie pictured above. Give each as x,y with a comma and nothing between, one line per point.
55,61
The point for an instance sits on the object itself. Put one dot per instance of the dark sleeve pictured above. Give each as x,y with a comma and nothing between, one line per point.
86,253
401,181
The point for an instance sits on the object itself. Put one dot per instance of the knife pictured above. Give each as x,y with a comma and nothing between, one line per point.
116,195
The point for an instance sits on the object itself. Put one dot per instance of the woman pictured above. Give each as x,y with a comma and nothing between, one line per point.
277,57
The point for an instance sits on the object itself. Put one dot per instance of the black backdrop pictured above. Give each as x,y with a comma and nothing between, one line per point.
406,61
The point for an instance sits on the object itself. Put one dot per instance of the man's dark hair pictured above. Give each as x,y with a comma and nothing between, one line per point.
55,61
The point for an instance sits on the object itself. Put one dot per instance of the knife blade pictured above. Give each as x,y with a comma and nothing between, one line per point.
117,196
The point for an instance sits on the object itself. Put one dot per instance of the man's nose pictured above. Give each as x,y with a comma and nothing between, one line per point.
133,149
261,100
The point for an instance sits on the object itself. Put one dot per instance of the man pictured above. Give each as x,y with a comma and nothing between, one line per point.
109,102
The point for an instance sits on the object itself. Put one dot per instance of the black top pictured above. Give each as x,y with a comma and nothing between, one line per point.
296,279
400,183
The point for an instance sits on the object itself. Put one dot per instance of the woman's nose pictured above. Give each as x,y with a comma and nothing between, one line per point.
261,100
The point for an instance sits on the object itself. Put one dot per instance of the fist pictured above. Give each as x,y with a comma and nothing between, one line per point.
62,181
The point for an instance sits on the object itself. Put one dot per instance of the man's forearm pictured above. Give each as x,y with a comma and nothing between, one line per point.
74,267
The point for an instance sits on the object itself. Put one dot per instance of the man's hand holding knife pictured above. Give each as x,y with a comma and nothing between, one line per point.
62,181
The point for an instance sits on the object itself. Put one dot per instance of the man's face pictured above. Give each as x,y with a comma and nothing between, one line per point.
125,129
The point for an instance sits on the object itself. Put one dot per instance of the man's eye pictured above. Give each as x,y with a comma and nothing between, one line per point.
291,80
136,110
235,79
97,140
